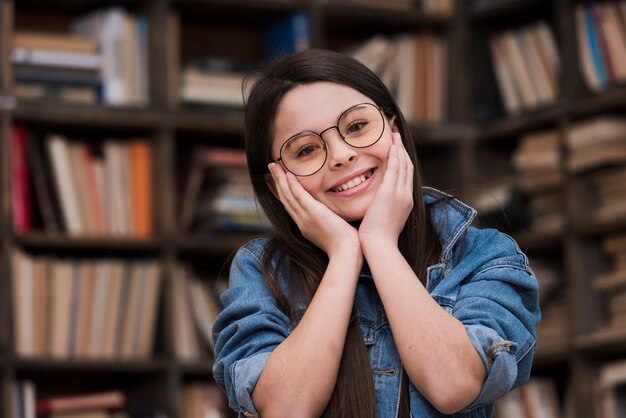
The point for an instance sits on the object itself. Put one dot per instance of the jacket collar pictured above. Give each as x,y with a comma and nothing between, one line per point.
450,217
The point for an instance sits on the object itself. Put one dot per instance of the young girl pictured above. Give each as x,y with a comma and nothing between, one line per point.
372,297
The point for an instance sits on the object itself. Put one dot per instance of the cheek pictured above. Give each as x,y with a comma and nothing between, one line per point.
381,148
311,184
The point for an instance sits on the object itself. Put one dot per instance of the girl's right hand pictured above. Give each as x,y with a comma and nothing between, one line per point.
316,221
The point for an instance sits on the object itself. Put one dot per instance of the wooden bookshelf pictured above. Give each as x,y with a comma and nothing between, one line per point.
454,151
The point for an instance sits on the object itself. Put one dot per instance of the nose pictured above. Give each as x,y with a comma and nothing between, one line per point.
339,152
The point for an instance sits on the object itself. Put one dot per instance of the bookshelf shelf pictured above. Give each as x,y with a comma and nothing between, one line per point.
93,367
602,344
444,134
611,100
217,121
494,10
383,17
597,229
511,126
87,115
51,242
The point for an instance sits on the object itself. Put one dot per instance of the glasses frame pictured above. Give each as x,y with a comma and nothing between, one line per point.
319,134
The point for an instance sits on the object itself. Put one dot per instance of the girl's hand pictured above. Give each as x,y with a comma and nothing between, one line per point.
393,202
316,221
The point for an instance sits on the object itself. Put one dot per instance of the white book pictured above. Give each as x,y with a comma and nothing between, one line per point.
58,152
100,305
504,77
23,297
521,75
533,61
107,27
62,285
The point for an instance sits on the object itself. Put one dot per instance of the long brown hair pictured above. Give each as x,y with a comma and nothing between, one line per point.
287,250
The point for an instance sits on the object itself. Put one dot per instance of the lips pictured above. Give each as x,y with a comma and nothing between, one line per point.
352,182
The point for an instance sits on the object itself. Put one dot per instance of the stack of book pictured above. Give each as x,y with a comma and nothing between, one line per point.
414,67
610,187
527,67
72,309
214,81
25,403
194,305
601,33
122,39
596,142
56,67
612,284
218,194
537,162
82,188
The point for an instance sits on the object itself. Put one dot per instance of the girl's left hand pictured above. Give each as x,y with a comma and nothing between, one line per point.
393,201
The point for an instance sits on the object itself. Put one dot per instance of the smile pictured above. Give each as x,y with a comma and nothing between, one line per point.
353,182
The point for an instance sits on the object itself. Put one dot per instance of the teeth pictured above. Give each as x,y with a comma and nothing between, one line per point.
352,183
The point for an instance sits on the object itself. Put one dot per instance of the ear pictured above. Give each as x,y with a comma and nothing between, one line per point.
269,180
392,124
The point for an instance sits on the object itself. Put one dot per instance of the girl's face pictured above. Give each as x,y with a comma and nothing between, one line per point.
339,183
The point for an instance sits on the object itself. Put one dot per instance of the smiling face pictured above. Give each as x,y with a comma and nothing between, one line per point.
350,176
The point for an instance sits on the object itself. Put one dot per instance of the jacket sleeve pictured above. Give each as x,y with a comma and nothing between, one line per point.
498,305
246,332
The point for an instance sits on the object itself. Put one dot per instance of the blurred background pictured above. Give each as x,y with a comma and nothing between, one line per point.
124,190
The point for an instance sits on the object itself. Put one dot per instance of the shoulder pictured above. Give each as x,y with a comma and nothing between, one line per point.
246,265
491,244
487,253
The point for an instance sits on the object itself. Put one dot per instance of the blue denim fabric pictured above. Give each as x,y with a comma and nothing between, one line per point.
483,279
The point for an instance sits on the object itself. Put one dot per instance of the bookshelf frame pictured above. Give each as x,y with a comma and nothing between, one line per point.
167,124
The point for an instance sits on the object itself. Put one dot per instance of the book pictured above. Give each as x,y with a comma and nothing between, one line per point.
59,156
21,197
504,77
291,33
79,60
54,41
42,178
604,128
140,154
109,400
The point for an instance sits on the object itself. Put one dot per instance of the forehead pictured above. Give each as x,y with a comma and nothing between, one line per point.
314,107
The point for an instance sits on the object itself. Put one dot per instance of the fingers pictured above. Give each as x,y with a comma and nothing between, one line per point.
290,192
282,187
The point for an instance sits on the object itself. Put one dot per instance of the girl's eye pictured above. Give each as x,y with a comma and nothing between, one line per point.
355,127
306,150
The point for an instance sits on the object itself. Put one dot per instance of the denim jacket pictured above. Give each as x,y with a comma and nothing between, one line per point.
483,279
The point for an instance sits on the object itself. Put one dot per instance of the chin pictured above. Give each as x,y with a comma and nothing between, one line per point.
352,216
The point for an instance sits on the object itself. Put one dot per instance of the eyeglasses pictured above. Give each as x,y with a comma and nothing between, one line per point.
360,126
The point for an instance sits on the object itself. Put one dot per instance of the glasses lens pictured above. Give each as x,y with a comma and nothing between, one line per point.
304,154
361,125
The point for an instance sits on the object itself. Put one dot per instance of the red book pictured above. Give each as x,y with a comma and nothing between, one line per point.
102,400
20,180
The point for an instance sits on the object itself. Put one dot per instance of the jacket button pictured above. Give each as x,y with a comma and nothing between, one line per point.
446,272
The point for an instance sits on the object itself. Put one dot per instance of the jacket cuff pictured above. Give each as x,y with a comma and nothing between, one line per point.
499,358
244,375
